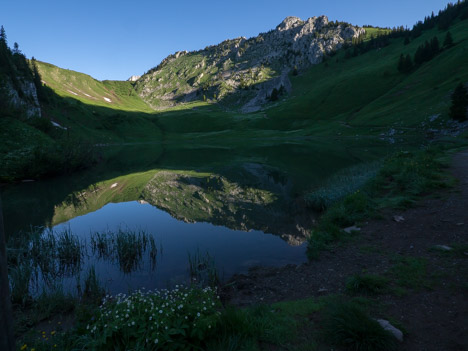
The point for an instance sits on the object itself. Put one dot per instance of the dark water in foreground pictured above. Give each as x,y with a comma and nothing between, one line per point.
234,251
242,206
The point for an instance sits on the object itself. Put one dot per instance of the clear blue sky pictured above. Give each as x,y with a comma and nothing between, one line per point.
116,39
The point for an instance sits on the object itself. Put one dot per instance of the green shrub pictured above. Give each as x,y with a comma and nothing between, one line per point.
245,329
348,326
366,284
410,272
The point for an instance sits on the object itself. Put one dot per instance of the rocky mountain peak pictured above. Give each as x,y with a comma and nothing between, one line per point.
133,78
289,23
251,69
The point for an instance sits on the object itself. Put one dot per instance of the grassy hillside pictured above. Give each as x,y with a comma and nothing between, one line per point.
368,91
348,97
343,96
112,94
364,95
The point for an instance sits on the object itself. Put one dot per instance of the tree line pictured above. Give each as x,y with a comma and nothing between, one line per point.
443,20
424,53
14,67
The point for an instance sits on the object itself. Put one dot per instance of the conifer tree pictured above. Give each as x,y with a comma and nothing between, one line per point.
401,64
448,41
408,64
16,49
405,64
418,56
435,47
37,78
3,37
274,95
458,110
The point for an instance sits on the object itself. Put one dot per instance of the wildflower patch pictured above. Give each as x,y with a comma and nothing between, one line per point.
158,320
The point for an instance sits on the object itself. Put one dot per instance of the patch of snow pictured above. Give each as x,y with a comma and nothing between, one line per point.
114,185
72,92
55,124
87,95
107,99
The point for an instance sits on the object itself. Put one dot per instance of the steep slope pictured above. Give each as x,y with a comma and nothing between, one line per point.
347,96
367,94
250,68
112,94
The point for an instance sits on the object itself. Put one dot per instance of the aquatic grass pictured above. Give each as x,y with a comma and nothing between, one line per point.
177,319
102,244
341,184
126,247
93,291
70,250
130,246
202,269
20,277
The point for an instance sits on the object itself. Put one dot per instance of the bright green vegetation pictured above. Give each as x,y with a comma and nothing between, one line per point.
66,83
375,32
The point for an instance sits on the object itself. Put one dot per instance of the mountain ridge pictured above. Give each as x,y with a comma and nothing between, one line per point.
235,66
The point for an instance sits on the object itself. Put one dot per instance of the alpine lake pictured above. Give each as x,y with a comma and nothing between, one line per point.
155,215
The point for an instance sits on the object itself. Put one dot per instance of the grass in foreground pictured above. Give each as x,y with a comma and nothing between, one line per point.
192,318
347,325
402,179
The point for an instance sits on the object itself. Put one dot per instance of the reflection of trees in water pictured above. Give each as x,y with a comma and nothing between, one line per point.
78,199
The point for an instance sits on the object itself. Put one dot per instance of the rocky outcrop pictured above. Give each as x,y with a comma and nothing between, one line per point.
25,100
249,69
133,78
281,83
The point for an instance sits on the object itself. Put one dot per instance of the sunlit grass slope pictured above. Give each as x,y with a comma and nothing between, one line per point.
112,94
362,95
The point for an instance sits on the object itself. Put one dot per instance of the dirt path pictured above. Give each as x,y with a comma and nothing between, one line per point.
433,312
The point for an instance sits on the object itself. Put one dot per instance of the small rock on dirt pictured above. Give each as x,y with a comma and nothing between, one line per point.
397,333
443,248
351,229
398,219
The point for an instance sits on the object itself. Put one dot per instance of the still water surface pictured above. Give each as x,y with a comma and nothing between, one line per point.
242,206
